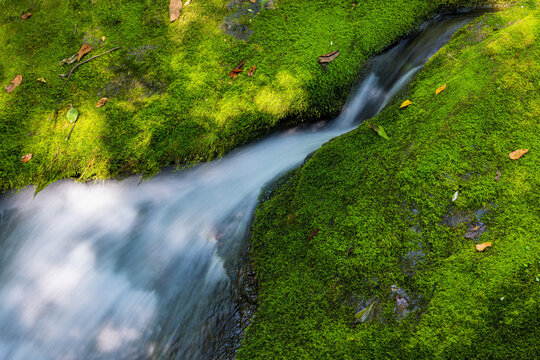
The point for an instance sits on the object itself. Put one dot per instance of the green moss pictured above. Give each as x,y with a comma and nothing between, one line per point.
171,100
374,201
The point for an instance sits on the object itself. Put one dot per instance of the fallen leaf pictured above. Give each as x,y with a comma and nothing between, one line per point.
518,153
101,102
68,61
174,9
41,80
251,70
441,89
314,233
26,158
253,1
325,59
497,178
456,194
405,104
234,73
14,83
26,16
85,49
237,69
103,39
364,315
379,130
72,115
483,246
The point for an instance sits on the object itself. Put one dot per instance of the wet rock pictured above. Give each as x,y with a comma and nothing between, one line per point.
237,24
462,217
475,230
412,261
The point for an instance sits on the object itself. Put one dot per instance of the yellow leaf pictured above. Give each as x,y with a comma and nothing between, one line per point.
518,153
441,89
483,246
41,80
405,104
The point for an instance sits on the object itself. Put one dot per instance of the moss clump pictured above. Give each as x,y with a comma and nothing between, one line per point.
171,100
385,216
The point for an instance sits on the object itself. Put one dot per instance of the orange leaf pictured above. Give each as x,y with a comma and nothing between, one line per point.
26,16
14,83
26,158
235,73
518,153
405,104
441,89
101,102
483,246
251,70
174,9
85,49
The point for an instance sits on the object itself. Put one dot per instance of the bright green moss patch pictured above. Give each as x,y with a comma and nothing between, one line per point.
385,216
171,100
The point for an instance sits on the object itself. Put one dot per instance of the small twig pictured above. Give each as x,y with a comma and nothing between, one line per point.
68,75
73,127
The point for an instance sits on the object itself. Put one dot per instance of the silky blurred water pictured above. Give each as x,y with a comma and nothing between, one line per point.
130,270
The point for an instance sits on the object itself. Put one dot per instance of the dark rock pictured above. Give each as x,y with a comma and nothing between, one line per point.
475,230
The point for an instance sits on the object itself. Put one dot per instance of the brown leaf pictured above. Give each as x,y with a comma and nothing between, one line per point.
405,104
483,246
314,233
26,158
14,83
26,16
497,178
85,49
251,70
174,9
328,58
101,102
518,153
441,89
235,73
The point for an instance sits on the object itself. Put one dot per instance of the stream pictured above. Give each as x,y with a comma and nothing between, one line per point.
146,270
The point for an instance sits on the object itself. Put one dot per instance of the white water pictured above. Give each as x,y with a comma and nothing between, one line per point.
122,270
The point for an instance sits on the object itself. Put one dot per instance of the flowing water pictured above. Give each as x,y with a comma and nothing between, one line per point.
129,270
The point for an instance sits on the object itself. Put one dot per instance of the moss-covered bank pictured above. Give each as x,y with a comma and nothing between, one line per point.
171,100
373,222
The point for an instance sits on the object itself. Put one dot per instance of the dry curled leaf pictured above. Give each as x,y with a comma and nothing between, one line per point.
174,9
85,49
440,89
497,178
237,70
514,155
101,102
14,83
483,246
253,1
405,104
314,233
251,70
26,158
325,59
26,16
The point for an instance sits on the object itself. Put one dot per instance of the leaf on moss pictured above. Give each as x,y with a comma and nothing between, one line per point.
174,9
26,158
314,233
483,246
379,130
237,70
440,89
41,80
26,16
514,155
364,314
251,70
325,59
72,115
498,177
456,194
68,61
101,102
14,83
85,49
405,104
